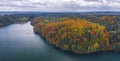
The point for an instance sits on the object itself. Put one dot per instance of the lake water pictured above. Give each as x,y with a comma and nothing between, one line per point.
18,42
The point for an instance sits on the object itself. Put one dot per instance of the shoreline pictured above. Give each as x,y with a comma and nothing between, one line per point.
72,52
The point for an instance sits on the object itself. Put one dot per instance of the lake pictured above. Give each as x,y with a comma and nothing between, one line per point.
18,42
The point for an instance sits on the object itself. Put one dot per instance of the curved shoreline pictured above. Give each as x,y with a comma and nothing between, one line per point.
72,52
86,37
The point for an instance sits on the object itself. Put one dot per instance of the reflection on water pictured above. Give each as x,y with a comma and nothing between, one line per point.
18,42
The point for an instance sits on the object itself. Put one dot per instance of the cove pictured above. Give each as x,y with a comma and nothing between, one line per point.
18,42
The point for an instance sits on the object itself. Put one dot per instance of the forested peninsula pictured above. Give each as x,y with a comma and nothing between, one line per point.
86,35
79,33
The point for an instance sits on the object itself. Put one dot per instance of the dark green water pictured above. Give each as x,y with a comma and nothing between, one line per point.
18,42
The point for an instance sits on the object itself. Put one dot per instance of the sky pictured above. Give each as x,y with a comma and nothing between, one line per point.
60,5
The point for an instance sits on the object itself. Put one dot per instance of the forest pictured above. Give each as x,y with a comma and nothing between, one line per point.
82,34
8,19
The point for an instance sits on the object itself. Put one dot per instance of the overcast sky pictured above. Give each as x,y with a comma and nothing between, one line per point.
60,5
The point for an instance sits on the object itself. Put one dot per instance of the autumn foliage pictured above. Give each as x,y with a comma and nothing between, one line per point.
79,36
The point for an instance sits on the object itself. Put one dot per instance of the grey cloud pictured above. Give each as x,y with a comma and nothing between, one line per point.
118,1
60,5
93,0
71,4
